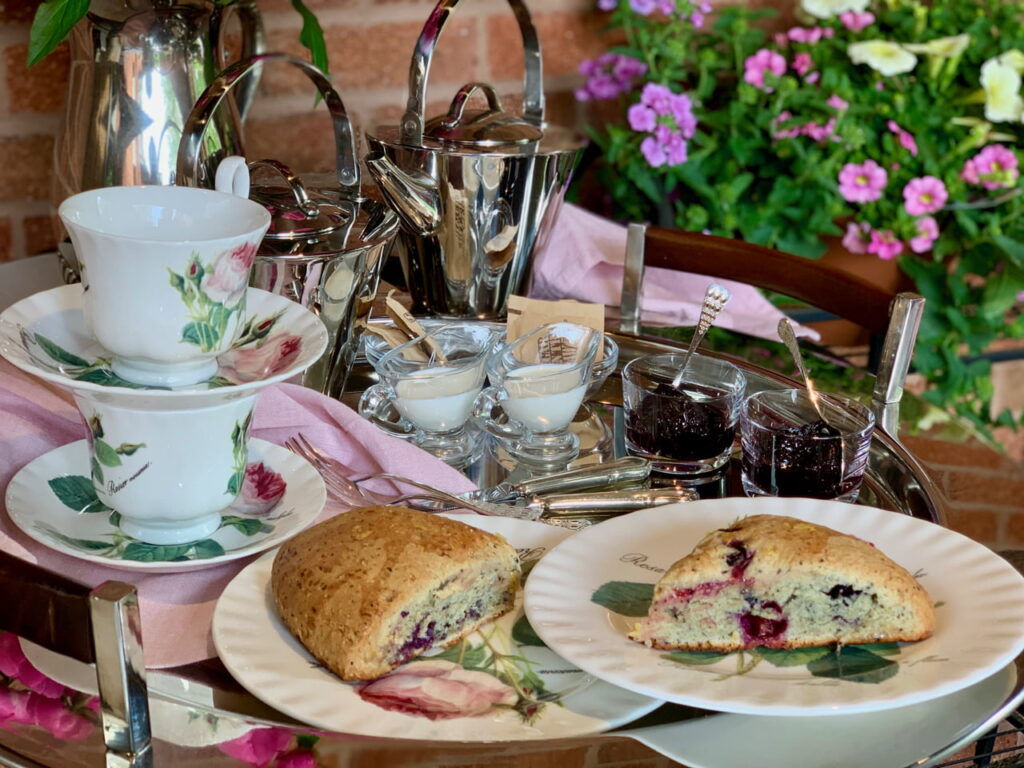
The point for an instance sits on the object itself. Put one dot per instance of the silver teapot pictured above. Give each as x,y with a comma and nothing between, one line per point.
477,190
325,246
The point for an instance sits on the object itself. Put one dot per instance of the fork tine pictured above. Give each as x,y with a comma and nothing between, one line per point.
333,472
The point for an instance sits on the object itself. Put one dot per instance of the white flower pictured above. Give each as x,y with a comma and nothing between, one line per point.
943,47
882,56
826,9
1001,81
1013,58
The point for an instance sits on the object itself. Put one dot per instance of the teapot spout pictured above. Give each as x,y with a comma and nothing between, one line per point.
415,198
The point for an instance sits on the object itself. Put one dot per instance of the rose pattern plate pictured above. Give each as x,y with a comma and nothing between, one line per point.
52,499
46,335
587,594
500,683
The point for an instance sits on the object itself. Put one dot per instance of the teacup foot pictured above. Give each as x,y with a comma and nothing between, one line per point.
163,375
170,532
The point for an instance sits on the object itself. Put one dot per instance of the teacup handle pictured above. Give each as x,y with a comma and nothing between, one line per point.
374,406
232,177
484,406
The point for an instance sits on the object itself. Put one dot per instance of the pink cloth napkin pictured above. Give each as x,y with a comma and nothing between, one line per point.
176,609
584,260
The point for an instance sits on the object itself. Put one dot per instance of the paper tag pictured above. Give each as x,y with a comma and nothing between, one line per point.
526,314
394,337
403,318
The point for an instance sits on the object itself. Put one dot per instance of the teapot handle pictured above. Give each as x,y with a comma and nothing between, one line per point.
419,68
254,41
187,173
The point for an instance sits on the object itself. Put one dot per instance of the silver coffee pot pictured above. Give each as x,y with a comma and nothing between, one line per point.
477,190
326,245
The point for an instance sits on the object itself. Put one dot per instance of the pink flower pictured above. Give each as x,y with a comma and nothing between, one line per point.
669,117
923,195
258,747
262,489
884,244
820,132
227,280
855,22
14,663
608,76
764,61
838,103
905,139
803,63
260,361
927,233
785,133
862,183
15,706
854,240
299,758
994,167
64,724
642,118
438,690
805,34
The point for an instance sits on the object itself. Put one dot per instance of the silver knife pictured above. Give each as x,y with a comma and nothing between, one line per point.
627,470
598,505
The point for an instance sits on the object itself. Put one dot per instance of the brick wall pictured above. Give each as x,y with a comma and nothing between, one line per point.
369,43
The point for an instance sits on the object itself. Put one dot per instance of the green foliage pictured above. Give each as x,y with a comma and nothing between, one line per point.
763,164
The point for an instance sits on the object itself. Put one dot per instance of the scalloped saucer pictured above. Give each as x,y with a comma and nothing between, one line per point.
52,500
45,335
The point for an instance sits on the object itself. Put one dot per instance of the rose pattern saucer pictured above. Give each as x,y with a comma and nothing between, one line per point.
46,336
53,500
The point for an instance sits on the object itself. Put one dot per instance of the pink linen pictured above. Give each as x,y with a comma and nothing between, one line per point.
176,609
584,260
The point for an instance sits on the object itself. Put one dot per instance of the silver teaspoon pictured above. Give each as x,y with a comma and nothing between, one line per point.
788,337
715,299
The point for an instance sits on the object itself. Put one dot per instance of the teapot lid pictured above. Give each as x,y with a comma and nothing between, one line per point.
484,128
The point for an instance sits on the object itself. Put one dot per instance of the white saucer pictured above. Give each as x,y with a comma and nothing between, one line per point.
46,335
92,534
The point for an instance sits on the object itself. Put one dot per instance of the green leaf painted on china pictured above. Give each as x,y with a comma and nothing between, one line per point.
200,333
115,518
219,317
524,634
626,598
206,549
235,483
249,526
854,664
696,658
105,453
464,653
880,649
156,553
107,378
59,354
78,493
796,657
97,470
51,24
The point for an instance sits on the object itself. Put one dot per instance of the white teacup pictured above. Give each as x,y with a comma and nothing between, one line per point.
165,271
168,469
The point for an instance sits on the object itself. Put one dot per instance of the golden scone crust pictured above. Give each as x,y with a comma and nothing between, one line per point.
339,585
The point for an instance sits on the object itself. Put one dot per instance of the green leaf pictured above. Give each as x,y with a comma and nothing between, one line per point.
52,22
235,483
697,658
854,664
177,281
78,493
97,470
626,598
107,378
106,454
312,36
1012,248
156,553
797,657
128,449
207,548
59,354
880,649
202,334
249,526
524,634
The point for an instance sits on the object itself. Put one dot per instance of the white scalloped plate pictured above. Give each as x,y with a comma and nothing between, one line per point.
260,652
979,599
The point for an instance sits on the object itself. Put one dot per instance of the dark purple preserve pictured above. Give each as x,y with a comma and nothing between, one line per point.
670,423
795,461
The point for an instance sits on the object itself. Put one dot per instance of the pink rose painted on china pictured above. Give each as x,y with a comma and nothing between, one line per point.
228,276
438,690
258,361
262,490
924,195
862,183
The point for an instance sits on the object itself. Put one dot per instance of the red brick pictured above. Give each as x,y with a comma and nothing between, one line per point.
26,164
982,525
377,56
268,6
5,240
989,488
40,88
278,77
40,236
304,142
947,453
1014,531
16,11
566,39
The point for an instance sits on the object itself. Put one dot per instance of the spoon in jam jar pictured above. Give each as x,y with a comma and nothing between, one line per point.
715,299
788,336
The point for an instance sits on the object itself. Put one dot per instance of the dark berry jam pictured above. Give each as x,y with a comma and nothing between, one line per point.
673,424
795,461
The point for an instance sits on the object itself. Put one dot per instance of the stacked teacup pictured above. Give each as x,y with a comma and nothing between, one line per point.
183,346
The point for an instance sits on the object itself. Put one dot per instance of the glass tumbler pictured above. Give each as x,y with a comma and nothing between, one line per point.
429,398
791,450
538,383
686,427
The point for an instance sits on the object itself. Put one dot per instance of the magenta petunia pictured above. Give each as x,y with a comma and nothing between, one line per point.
905,138
805,34
927,234
855,22
757,66
994,167
924,195
862,183
855,240
885,245
608,76
838,103
803,63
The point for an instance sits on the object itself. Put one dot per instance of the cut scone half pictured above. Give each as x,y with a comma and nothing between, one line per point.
370,589
779,582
